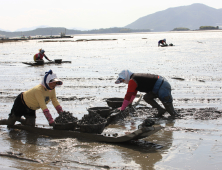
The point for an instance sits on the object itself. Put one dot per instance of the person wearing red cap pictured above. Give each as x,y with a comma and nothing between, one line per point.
154,86
29,101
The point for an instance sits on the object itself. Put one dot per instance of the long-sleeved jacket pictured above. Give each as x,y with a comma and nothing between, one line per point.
39,97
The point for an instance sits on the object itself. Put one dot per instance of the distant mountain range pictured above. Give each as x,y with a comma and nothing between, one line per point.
31,28
55,31
192,17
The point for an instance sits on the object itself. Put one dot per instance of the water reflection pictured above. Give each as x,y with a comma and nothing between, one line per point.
30,146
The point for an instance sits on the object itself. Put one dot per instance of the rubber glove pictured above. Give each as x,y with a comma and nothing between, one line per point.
48,117
59,109
131,100
124,105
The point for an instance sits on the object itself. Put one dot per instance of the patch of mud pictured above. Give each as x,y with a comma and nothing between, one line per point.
79,40
81,79
182,79
191,113
178,78
201,100
9,40
72,98
18,156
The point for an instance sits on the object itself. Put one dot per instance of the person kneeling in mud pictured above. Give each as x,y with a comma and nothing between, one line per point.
28,102
162,42
154,86
40,55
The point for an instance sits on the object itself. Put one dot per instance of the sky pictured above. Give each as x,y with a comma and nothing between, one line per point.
83,14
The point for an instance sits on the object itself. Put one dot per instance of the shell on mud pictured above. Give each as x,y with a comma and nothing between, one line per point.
65,117
65,121
92,123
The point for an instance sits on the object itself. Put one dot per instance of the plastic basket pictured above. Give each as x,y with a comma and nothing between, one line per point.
102,111
65,126
39,62
92,128
114,102
58,60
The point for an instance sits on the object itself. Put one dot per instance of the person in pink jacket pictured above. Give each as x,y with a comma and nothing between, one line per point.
38,97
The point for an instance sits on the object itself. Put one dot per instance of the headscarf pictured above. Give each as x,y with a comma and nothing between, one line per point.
124,74
48,77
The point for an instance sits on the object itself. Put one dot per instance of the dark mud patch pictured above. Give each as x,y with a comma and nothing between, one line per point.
82,79
200,100
190,113
19,156
143,144
72,98
187,129
79,40
182,79
9,40
178,78
67,162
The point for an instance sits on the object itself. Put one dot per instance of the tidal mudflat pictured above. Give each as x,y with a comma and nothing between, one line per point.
192,66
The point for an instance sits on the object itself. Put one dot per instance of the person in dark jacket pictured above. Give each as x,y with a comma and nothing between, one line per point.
154,86
162,42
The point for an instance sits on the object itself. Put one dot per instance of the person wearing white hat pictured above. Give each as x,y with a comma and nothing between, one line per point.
40,55
39,96
154,86
162,42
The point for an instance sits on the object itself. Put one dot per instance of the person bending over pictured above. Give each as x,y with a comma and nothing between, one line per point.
155,86
26,103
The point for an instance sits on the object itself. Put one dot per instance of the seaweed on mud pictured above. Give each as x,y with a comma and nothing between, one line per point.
65,117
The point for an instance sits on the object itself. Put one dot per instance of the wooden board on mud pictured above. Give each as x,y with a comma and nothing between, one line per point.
48,62
138,134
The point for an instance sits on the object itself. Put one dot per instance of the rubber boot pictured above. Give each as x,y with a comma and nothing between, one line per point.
170,109
23,121
154,104
28,121
4,122
10,121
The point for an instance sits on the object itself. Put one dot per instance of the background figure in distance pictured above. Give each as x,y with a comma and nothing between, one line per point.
154,86
162,42
29,101
40,55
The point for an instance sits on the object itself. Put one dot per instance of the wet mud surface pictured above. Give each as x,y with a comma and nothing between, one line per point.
69,147
192,141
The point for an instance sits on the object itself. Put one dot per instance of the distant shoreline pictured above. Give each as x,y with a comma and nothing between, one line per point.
76,35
